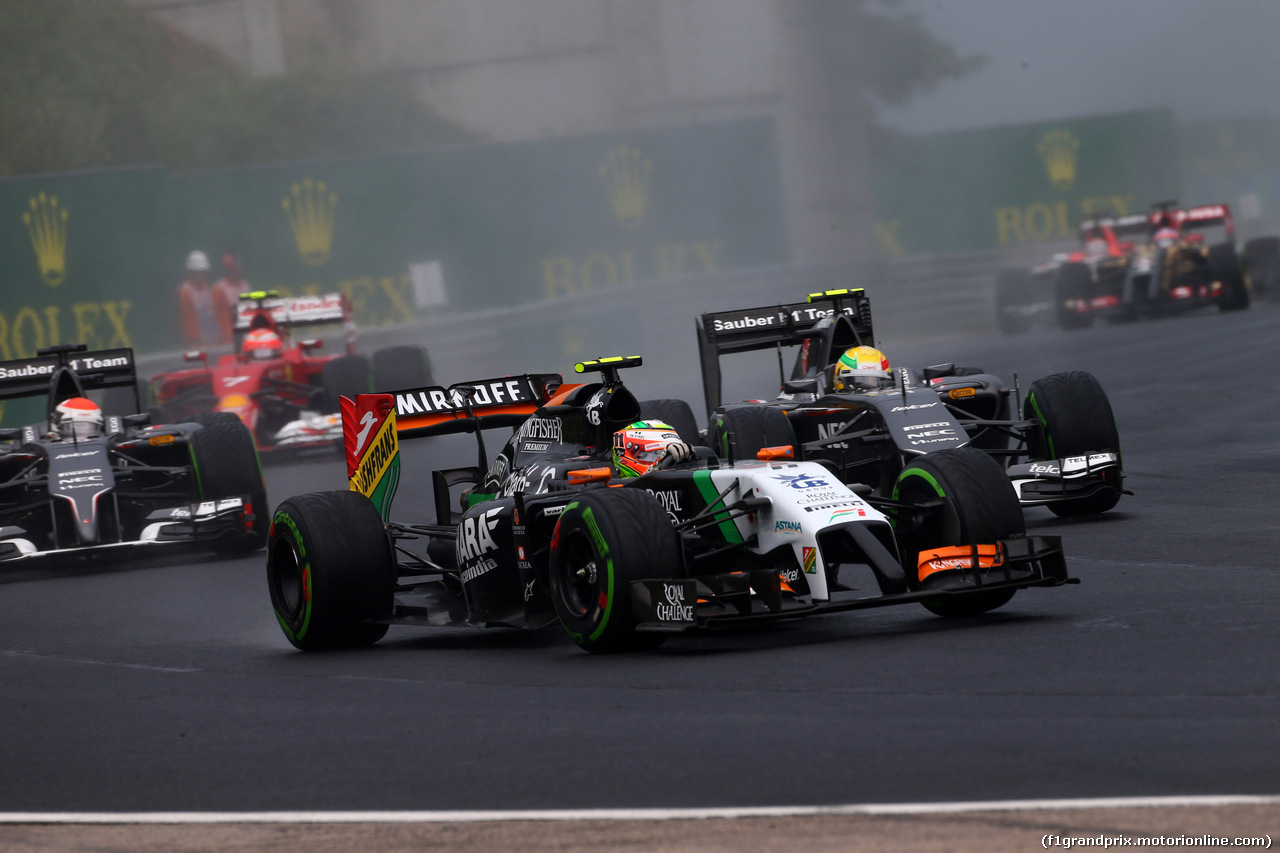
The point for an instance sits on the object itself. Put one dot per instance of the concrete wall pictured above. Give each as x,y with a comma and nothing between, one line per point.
527,69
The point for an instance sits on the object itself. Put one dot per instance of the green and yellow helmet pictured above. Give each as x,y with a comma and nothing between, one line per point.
861,369
639,446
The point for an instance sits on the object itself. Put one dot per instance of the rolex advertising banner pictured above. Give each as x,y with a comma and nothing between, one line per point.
1027,183
98,257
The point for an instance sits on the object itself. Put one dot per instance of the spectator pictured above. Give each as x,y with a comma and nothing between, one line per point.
195,302
226,294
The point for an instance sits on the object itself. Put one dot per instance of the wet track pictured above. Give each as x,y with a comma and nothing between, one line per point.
172,688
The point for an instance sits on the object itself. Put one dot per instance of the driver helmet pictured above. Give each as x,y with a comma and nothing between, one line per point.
862,369
1166,236
638,447
78,417
262,344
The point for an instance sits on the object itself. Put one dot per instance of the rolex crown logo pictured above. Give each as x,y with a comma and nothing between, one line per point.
309,207
46,224
1058,150
626,175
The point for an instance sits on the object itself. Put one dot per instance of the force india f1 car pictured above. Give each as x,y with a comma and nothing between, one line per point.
289,398
127,484
1062,452
1173,270
548,533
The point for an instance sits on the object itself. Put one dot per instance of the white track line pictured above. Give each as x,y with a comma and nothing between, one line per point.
631,814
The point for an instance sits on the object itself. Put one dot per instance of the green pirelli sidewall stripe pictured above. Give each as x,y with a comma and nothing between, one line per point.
914,472
195,468
1031,398
287,521
601,544
709,492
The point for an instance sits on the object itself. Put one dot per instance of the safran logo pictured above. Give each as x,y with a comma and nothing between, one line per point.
309,207
1058,152
626,175
46,224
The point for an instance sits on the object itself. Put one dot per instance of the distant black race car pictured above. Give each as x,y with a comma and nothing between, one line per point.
548,532
123,486
1060,447
1171,269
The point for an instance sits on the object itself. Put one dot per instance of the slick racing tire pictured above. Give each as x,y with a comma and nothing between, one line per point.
1224,266
330,569
225,459
398,368
1073,418
979,506
1013,288
1262,260
1072,285
346,376
738,434
676,413
604,540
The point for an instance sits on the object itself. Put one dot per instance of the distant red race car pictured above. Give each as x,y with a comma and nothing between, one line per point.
1173,269
284,390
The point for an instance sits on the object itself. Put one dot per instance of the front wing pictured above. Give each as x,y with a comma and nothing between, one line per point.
671,605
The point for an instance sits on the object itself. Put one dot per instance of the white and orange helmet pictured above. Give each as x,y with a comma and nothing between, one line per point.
862,369
78,417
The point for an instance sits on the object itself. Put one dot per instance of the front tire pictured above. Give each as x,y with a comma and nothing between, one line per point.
979,506
1074,419
604,540
741,432
1072,288
1224,266
225,458
330,569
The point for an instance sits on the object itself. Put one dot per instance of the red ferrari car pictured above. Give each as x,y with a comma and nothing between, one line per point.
283,388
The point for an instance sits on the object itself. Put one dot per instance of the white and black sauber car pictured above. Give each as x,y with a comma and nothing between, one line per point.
118,483
1059,446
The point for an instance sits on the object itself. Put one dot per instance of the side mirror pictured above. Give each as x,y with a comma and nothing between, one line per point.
937,371
194,355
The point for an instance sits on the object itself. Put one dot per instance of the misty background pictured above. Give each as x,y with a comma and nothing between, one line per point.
518,184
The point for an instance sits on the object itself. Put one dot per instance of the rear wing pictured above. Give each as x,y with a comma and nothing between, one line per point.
774,326
372,424
1133,225
31,377
1142,224
268,309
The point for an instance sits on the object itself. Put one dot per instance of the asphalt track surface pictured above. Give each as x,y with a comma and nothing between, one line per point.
172,688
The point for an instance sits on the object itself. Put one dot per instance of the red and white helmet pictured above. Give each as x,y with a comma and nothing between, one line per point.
79,417
1166,236
262,344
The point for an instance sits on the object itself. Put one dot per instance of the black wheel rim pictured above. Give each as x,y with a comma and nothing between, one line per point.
581,574
286,575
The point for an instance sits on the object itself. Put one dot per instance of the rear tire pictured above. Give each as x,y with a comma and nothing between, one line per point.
1075,419
1224,266
604,540
1012,291
980,507
1262,260
401,368
330,569
675,413
1072,286
345,376
741,432
226,464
